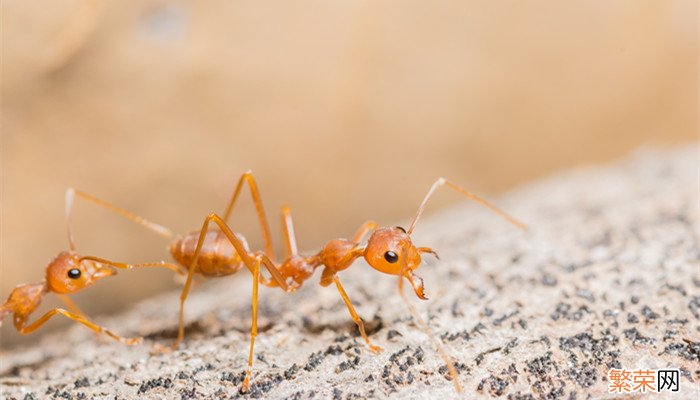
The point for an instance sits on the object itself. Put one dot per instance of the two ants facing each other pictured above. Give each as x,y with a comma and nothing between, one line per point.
222,252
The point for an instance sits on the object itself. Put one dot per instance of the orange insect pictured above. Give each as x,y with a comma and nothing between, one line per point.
223,252
68,273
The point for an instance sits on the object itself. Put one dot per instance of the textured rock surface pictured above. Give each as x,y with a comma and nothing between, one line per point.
606,277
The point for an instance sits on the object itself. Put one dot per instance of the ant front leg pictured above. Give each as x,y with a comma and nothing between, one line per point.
77,318
70,304
356,318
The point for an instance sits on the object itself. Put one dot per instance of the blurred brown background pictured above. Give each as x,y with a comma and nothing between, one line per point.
346,110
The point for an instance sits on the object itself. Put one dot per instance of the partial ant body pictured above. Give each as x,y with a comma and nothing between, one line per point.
220,253
66,274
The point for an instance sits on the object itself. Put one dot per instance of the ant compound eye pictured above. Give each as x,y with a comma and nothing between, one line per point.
74,273
391,257
401,229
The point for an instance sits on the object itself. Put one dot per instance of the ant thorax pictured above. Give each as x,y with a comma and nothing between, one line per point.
335,254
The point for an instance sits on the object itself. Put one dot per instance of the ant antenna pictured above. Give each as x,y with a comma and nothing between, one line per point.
441,182
426,329
70,194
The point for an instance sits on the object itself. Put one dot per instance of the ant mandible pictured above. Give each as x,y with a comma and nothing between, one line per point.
220,253
67,273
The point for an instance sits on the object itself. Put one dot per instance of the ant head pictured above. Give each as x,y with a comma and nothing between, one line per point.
391,251
68,274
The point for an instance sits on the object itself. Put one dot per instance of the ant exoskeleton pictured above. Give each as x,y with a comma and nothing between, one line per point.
67,273
220,253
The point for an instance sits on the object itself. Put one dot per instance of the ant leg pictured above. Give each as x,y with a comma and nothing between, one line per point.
269,265
290,239
242,252
257,200
116,264
70,304
77,318
70,195
328,275
183,297
436,343
247,259
442,182
356,318
366,228
254,325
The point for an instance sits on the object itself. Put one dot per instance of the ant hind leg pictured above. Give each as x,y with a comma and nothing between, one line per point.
257,200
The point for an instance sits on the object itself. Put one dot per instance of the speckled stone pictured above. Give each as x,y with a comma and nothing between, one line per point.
607,276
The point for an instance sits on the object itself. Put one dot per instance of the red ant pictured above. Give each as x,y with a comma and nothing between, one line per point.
220,253
66,274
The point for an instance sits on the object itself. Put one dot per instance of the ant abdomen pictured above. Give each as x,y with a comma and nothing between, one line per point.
218,257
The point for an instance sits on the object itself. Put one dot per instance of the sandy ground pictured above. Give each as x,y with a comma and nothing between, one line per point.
607,277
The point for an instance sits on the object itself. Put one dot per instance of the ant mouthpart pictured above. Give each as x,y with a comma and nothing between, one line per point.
104,272
429,251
